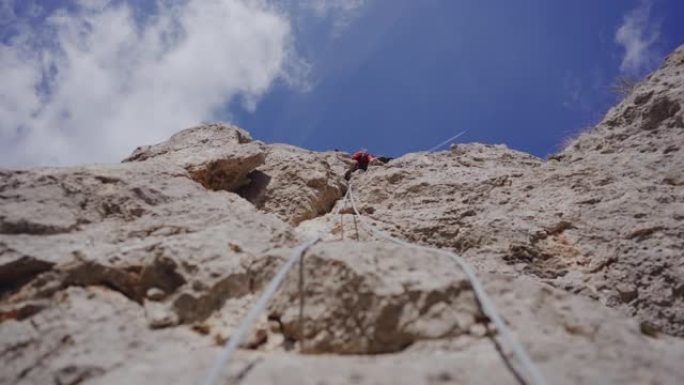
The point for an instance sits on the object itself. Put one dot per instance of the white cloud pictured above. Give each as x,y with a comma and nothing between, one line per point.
637,35
342,9
337,14
93,83
343,12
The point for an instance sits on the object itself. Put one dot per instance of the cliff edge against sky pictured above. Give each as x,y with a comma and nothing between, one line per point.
138,272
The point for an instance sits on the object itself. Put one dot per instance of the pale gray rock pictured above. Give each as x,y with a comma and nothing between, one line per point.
218,156
369,298
131,227
571,338
137,273
85,334
155,294
159,315
606,211
291,182
296,184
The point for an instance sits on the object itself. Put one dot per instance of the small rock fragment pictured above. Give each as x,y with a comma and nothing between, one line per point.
155,294
159,315
73,375
627,291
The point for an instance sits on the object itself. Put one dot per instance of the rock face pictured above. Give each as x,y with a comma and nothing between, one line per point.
293,183
603,218
296,184
217,156
369,298
137,273
136,228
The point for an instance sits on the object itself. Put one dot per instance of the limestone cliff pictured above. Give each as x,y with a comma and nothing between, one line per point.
136,273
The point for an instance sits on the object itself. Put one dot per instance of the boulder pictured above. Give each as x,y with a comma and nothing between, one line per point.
135,228
218,156
296,184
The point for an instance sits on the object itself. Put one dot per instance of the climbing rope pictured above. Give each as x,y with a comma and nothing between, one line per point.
488,308
447,141
533,374
233,343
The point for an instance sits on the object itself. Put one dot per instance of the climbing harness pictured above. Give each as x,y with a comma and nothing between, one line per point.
532,373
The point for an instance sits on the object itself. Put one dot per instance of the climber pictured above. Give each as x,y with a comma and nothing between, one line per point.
360,161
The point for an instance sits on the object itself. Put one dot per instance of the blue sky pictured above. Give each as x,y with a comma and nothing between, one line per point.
88,80
409,74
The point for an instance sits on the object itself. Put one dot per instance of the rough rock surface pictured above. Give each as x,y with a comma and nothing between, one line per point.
136,273
217,156
291,182
373,298
296,184
137,228
603,218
